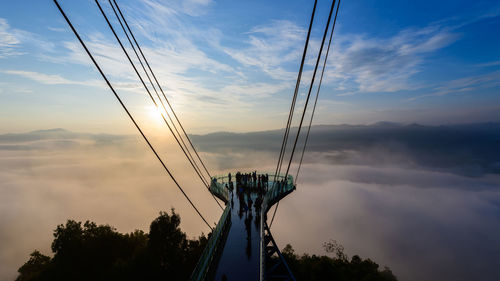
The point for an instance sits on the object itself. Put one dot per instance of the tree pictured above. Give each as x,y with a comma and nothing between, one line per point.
338,268
87,251
34,267
98,252
332,246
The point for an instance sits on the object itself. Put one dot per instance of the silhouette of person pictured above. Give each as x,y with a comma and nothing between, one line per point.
257,221
248,228
249,202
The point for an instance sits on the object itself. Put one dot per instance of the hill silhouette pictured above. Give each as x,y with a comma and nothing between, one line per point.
87,251
464,149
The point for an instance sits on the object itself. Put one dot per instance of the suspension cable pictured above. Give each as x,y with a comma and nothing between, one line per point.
154,88
161,89
150,95
292,107
128,113
141,79
307,99
317,92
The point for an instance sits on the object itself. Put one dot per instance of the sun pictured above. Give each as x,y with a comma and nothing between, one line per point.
155,114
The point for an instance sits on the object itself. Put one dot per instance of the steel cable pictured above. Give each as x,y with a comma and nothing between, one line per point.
127,111
190,159
150,95
317,92
161,89
307,99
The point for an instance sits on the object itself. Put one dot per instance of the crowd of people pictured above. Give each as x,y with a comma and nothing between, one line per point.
251,180
246,185
251,183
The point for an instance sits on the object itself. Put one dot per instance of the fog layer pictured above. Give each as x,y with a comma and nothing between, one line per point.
424,201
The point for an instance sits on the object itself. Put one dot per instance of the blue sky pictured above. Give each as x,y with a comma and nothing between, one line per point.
231,65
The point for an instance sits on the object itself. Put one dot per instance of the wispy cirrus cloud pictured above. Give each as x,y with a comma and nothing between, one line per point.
488,64
50,79
55,79
203,68
188,72
269,47
467,84
13,41
9,40
368,64
188,7
363,64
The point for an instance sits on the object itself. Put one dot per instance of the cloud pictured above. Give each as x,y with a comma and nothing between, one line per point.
221,73
257,90
9,40
488,64
358,63
189,7
363,64
49,79
270,46
196,7
467,84
420,233
174,61
56,29
54,79
174,56
13,41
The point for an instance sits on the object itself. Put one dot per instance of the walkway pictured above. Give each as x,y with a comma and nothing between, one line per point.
240,258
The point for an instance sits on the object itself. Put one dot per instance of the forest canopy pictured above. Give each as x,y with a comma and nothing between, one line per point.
87,251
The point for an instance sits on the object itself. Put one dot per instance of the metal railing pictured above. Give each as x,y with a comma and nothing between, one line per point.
219,189
214,243
224,178
276,191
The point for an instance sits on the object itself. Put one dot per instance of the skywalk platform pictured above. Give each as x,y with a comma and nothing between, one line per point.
237,247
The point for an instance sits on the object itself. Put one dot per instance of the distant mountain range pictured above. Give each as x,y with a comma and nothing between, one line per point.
469,149
57,133
57,139
326,137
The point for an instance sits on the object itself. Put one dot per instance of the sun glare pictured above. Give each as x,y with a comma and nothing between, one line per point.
155,113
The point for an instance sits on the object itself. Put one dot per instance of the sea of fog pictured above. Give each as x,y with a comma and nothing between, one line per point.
424,201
